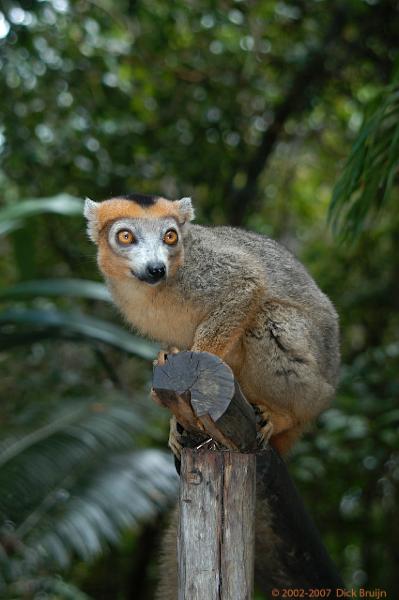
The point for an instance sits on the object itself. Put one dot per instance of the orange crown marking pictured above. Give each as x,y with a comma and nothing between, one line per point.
115,208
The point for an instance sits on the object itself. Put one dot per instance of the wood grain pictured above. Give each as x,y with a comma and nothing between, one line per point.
200,390
216,525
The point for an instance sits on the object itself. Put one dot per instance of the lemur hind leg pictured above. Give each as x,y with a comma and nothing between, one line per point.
277,429
284,441
283,375
264,425
174,441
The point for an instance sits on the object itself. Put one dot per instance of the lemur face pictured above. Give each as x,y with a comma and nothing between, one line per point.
150,248
139,237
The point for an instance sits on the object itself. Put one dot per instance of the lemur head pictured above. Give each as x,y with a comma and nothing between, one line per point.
138,236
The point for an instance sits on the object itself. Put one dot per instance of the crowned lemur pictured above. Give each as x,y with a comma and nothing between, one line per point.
231,292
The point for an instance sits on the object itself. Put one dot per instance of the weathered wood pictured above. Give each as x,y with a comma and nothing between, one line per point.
200,390
238,521
216,525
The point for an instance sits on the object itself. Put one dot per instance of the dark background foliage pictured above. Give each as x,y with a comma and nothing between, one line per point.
273,115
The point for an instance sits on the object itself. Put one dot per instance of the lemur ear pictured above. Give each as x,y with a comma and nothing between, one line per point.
186,209
90,212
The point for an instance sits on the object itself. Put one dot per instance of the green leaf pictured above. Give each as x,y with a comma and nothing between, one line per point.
76,288
75,325
11,217
24,245
7,227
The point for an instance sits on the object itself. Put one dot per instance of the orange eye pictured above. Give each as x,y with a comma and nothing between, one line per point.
170,237
125,237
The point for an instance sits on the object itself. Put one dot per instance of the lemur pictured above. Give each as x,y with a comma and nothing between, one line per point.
231,292
237,294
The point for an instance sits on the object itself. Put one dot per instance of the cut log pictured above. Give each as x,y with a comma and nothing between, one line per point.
200,390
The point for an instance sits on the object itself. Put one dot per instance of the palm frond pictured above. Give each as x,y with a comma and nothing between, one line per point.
36,461
124,490
371,171
40,324
13,216
52,588
72,288
75,484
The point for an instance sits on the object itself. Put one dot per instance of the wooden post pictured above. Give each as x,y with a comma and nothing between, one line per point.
217,486
216,525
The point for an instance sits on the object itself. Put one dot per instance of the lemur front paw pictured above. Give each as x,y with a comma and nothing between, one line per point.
175,439
159,361
264,426
162,355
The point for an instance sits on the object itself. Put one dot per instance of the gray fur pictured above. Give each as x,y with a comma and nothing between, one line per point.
186,209
293,341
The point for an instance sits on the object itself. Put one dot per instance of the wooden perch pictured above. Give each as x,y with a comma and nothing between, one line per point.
217,489
200,390
217,492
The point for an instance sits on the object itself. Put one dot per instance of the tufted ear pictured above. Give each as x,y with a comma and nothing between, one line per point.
186,209
90,212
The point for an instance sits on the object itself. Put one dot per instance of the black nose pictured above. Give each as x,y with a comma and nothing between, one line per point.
156,271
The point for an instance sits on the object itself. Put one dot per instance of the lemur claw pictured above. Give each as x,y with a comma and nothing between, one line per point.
265,426
174,441
163,354
173,350
160,359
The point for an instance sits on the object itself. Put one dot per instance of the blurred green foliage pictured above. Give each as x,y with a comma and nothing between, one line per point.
256,109
365,185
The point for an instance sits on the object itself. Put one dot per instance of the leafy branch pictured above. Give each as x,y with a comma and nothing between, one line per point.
371,171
